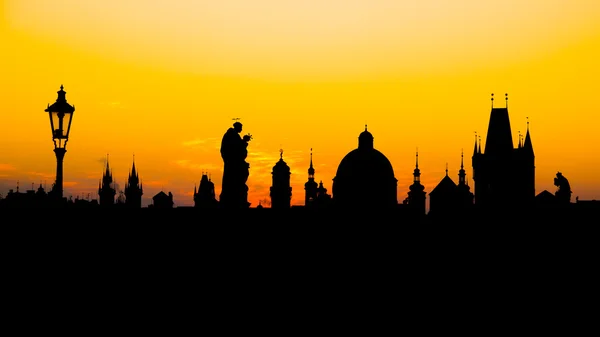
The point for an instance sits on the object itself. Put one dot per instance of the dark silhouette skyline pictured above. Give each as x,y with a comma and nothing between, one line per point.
504,179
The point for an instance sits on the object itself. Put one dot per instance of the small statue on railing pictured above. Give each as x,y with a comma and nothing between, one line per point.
563,193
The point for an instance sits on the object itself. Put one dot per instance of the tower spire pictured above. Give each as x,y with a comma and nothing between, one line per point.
461,173
416,172
506,99
311,169
417,158
492,100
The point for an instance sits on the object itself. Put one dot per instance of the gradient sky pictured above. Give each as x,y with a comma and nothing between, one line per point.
162,79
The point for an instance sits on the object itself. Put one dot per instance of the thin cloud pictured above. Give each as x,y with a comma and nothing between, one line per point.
155,183
44,175
189,165
200,141
6,167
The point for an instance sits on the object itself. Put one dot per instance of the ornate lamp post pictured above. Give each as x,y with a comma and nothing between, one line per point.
61,115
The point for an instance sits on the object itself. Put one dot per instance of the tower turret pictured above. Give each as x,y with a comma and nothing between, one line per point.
133,188
106,190
281,191
417,195
205,197
310,187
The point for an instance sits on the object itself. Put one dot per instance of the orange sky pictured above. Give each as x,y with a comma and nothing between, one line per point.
163,79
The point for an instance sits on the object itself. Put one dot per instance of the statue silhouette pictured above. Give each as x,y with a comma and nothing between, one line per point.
563,193
234,150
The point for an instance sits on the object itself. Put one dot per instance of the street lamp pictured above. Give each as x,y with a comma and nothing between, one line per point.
61,115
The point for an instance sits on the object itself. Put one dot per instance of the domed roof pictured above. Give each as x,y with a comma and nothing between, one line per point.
365,163
365,177
281,166
365,139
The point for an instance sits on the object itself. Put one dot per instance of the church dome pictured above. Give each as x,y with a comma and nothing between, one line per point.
365,177
365,165
281,166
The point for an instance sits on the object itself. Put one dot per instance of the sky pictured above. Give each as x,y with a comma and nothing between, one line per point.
161,81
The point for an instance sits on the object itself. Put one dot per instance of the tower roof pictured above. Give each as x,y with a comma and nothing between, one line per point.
499,136
365,139
281,165
445,185
527,145
311,169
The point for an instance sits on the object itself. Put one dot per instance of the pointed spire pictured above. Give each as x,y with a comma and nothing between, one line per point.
506,99
417,172
417,159
133,173
311,169
527,145
107,166
479,149
461,173
492,100
475,146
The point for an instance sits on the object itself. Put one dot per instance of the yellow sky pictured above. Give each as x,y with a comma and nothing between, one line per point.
163,79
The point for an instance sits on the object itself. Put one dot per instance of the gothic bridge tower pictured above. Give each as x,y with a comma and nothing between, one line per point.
504,175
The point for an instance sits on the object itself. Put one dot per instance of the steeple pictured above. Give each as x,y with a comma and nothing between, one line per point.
106,190
133,188
133,173
417,172
527,145
475,146
311,169
461,172
310,187
107,177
